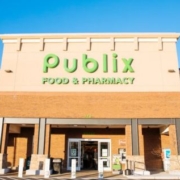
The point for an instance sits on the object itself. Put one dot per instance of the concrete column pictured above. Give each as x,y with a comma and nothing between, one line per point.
135,137
39,153
42,132
39,137
128,140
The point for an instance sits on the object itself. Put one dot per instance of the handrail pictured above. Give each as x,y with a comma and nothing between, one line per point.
132,162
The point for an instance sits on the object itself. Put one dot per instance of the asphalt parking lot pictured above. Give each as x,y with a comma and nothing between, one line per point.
89,175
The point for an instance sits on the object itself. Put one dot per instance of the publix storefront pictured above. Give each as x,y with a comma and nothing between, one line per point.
89,97
85,63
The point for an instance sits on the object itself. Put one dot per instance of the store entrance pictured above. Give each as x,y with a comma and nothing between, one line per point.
88,152
89,155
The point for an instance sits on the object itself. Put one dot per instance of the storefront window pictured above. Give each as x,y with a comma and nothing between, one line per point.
105,153
104,149
73,149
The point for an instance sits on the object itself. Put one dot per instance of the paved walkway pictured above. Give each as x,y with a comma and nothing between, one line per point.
92,175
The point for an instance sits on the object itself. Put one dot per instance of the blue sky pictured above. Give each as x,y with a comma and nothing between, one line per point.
61,16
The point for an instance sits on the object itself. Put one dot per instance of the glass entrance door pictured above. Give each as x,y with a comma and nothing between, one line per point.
104,153
77,146
89,156
74,152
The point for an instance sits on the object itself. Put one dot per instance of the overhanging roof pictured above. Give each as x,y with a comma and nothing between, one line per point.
92,35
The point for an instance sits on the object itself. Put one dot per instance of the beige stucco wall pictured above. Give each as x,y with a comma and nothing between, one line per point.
152,61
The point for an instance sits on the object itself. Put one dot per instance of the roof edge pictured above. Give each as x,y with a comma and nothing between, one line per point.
91,35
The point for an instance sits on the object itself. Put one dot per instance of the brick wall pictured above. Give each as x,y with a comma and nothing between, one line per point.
97,105
19,146
141,140
165,141
169,140
173,140
35,140
47,139
128,140
152,149
59,139
174,162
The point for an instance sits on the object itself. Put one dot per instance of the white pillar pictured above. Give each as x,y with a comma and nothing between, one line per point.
73,168
47,168
100,169
21,165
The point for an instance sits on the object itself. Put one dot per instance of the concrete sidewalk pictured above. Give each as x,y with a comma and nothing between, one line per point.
94,175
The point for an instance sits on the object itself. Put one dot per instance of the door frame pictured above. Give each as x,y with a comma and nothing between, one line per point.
78,168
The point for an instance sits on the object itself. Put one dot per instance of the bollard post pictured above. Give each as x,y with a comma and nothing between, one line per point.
20,170
100,169
73,168
131,167
47,168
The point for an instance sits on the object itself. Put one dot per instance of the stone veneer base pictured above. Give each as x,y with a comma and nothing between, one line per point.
141,172
175,172
4,171
32,172
36,172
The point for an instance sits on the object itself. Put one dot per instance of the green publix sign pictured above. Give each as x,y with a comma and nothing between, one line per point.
89,65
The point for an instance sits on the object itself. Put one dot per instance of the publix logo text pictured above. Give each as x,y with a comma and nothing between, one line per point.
89,65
